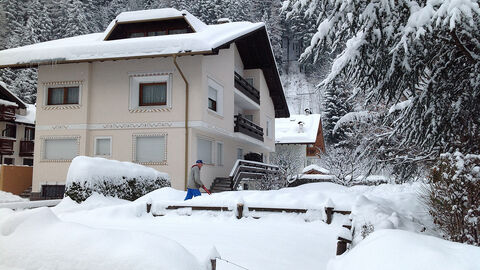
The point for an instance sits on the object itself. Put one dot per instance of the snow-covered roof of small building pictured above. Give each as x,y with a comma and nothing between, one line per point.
9,98
29,118
288,130
316,168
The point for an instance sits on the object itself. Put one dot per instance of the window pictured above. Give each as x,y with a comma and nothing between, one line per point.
153,94
219,154
150,91
150,149
28,161
204,150
10,131
248,117
137,34
215,97
29,133
250,81
9,161
268,128
239,153
63,95
60,149
177,31
156,33
103,146
212,99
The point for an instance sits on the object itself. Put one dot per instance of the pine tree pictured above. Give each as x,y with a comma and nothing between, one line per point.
337,104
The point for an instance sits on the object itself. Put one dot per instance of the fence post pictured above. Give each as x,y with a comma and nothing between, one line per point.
239,210
329,212
149,207
341,247
214,263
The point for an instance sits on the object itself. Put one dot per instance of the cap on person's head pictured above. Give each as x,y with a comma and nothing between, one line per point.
199,161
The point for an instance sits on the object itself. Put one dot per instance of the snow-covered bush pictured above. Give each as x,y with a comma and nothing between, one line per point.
453,197
344,164
113,178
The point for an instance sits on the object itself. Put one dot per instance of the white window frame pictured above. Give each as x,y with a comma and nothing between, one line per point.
215,85
43,153
220,162
60,85
212,148
95,146
137,79
134,147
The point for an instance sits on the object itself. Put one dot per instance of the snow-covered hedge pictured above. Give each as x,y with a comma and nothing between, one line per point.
123,180
453,197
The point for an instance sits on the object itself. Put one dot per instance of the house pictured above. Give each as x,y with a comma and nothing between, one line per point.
159,88
300,136
17,124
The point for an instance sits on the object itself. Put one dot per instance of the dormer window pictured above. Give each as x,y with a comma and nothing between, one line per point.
173,26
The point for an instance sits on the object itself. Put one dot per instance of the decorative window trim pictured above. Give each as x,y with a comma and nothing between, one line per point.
95,145
152,77
134,148
219,102
42,152
47,85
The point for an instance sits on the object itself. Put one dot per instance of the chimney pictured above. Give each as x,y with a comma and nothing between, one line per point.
308,111
300,126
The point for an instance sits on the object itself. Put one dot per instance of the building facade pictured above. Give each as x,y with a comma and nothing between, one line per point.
155,89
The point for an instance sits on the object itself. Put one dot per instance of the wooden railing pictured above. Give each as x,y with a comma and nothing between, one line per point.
251,170
246,88
247,127
7,113
26,148
6,145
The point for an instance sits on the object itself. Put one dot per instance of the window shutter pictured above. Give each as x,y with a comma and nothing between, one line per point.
60,149
150,149
204,150
103,147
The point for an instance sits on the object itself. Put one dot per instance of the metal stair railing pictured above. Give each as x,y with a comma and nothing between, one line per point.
246,169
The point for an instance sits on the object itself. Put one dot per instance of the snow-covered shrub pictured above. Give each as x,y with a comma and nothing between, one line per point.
290,158
453,197
367,228
113,178
344,164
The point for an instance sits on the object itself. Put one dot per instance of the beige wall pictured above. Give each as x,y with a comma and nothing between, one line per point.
104,111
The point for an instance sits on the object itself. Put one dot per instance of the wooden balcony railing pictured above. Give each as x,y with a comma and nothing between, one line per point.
26,148
6,146
7,113
247,127
246,88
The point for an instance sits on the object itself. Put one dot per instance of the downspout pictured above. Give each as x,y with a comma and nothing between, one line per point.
186,119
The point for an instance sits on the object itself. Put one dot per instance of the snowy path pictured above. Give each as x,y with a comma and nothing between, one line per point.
275,242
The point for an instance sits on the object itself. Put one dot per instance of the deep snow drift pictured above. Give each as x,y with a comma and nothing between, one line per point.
72,234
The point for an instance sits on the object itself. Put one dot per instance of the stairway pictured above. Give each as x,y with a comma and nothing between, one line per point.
221,184
26,193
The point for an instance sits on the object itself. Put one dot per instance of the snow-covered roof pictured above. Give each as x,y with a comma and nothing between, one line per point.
91,47
29,118
8,103
315,167
288,130
9,98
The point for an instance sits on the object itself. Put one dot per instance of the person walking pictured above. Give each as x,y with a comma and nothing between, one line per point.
194,182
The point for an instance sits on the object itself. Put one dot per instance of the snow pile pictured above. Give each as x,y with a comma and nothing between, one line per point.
92,169
8,103
124,180
316,168
7,197
288,130
400,250
43,241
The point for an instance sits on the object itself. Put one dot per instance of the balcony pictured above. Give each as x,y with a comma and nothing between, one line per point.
7,113
247,127
246,88
26,148
6,145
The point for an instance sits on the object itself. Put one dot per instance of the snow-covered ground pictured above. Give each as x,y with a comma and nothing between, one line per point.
7,197
109,233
